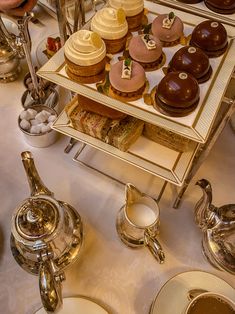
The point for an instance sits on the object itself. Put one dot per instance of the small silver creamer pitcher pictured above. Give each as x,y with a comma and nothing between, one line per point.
46,237
218,227
138,222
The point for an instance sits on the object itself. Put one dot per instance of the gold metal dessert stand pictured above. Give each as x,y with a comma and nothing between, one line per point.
217,109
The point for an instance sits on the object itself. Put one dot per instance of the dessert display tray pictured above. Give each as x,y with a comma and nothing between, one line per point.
154,158
196,125
202,10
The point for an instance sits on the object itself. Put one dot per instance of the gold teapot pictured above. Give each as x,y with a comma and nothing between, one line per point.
218,226
46,237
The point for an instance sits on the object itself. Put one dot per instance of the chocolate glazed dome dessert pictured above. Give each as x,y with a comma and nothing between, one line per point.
191,60
177,94
211,37
221,6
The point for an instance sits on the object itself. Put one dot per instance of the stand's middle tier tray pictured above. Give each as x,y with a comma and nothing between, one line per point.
196,125
145,154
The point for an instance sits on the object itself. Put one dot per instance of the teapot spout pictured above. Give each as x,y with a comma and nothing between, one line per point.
36,185
204,211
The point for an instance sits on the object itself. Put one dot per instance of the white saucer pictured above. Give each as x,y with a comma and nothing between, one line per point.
79,304
40,55
172,298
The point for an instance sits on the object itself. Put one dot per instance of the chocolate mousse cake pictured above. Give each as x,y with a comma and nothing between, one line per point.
191,60
211,37
177,94
85,57
146,49
112,27
134,10
168,28
221,6
127,80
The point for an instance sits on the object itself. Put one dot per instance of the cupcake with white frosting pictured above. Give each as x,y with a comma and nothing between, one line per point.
85,56
134,10
112,27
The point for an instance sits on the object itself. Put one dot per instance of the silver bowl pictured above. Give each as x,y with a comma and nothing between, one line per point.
42,139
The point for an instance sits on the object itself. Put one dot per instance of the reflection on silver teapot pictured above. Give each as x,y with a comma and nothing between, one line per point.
218,226
46,236
9,59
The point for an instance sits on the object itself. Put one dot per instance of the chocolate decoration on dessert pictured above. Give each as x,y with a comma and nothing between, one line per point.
211,37
221,6
191,60
177,94
190,1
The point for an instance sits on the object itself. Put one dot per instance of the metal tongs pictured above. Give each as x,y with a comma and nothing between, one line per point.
79,18
38,93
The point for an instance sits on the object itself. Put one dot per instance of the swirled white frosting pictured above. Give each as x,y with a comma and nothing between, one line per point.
131,7
80,49
106,24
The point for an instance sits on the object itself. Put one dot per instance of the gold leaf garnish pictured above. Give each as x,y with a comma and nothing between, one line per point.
121,16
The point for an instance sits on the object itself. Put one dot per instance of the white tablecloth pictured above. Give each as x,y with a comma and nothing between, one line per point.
125,280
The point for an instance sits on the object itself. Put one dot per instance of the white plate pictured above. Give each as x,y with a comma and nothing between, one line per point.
40,55
79,304
172,297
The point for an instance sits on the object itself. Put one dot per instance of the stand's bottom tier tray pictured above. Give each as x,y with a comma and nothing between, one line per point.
154,158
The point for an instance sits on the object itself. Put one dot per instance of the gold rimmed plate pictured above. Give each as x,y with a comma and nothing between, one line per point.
79,304
172,298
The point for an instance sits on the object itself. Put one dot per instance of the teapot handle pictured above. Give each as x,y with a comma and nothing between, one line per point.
50,285
154,246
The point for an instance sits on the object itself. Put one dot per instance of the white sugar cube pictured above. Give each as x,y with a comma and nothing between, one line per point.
41,117
25,115
46,113
34,122
24,124
32,113
52,118
45,128
42,124
35,129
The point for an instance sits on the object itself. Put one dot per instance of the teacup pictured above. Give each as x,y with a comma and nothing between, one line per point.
138,222
210,303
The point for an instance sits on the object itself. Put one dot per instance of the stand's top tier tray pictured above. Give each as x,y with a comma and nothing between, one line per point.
200,9
196,125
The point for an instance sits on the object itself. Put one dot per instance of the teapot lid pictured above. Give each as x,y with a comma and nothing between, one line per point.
36,219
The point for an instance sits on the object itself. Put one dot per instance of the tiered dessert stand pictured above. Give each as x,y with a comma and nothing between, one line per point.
202,127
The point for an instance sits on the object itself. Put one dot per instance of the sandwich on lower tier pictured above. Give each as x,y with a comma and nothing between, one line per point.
120,133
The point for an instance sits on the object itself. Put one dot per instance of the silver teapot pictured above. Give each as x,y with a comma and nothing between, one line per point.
46,237
9,59
218,227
